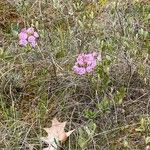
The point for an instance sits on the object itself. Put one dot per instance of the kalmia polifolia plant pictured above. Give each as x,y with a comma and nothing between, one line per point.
85,63
28,36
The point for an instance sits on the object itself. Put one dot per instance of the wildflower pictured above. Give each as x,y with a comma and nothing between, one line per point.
85,63
28,36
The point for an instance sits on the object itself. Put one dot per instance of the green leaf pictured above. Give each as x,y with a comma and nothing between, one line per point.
147,140
119,95
104,105
86,134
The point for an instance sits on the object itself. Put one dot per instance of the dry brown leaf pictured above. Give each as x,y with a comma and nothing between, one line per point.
56,133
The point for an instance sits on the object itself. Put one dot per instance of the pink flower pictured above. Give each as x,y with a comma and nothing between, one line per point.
32,40
79,70
28,36
23,42
23,35
86,63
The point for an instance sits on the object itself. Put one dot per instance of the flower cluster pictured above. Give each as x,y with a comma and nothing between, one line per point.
85,63
28,36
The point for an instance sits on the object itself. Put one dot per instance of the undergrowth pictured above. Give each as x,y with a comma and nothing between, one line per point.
110,107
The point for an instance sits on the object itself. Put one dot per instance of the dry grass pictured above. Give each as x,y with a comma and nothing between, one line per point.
110,108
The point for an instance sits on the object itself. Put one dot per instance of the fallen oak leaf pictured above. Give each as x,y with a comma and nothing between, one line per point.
56,134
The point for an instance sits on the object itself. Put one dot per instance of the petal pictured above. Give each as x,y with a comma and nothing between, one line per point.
31,39
75,68
89,57
30,30
89,69
82,71
80,57
33,44
23,36
79,70
36,34
23,30
80,63
93,64
23,42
